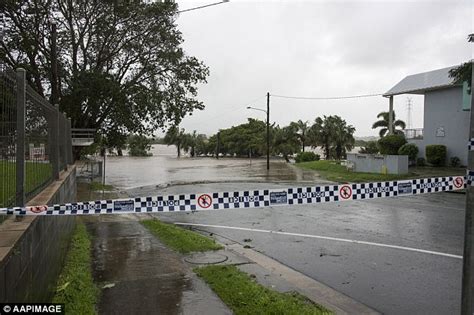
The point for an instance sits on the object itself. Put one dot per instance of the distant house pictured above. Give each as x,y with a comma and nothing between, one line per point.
446,111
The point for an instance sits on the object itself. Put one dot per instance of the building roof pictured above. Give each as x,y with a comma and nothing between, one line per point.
422,82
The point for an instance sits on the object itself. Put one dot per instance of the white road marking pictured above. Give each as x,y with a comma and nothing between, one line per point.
337,239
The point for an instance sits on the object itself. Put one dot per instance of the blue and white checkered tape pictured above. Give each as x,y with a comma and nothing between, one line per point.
470,145
252,198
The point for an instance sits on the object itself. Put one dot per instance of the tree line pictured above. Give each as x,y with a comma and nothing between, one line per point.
331,133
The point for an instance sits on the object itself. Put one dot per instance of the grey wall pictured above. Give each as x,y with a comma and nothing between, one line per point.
371,163
29,272
443,108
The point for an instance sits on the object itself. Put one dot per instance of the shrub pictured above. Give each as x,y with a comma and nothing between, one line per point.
436,154
306,157
420,161
370,148
409,149
455,161
391,143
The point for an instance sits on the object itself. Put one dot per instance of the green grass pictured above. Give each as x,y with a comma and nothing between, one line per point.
75,287
96,186
179,239
333,171
244,296
37,175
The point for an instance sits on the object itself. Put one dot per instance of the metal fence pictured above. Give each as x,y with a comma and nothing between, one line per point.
35,140
413,133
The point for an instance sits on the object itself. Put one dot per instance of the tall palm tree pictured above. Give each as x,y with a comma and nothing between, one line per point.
302,128
384,124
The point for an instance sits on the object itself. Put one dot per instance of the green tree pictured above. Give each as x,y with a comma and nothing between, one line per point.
120,63
384,124
463,73
285,141
333,135
139,145
301,131
175,136
371,147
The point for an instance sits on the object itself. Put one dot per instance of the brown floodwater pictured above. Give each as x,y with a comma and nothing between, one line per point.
163,168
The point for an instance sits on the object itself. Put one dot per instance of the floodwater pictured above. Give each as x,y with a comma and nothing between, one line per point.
163,168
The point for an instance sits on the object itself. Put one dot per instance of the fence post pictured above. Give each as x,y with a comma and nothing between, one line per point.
64,141
20,143
69,143
55,142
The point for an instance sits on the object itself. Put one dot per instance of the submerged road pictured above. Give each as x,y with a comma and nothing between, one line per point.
397,255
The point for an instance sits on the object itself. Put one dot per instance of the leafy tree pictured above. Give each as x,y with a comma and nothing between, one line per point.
301,132
370,147
390,144
384,124
120,63
462,73
139,145
333,135
193,143
175,136
285,141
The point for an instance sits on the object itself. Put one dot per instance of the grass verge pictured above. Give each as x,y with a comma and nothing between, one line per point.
99,186
244,296
75,287
333,171
179,239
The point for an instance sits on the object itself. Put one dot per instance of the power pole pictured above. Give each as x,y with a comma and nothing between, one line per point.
467,272
268,131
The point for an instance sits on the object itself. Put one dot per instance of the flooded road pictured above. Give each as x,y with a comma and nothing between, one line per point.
164,168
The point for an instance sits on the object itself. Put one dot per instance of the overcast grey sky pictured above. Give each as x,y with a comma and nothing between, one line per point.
318,49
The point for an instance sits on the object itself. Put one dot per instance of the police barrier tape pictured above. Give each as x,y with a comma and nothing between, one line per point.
252,198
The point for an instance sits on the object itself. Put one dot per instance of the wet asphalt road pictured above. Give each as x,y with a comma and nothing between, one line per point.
390,280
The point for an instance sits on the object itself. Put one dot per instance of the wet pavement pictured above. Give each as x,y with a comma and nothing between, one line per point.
139,275
390,280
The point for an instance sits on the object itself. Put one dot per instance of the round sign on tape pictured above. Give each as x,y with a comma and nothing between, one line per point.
37,209
345,192
204,201
458,182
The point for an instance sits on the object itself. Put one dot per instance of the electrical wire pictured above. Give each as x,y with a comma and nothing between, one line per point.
326,98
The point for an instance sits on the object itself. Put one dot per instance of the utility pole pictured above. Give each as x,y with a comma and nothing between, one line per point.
268,131
467,272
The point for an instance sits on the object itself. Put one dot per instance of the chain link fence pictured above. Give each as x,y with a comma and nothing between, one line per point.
35,140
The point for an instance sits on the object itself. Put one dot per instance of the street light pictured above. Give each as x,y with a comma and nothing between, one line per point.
204,6
268,127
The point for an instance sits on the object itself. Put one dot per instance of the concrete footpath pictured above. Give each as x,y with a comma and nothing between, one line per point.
139,275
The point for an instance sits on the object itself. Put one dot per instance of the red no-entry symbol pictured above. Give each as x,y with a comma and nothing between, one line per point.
205,201
38,209
345,192
458,182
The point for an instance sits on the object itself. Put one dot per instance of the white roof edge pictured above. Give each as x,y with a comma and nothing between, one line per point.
422,82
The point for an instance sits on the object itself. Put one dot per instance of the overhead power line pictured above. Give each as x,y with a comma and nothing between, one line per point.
326,98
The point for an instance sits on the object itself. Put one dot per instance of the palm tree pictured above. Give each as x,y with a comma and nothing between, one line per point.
175,136
333,135
302,132
383,123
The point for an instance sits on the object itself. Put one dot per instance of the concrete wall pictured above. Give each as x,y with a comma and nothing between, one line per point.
32,250
443,109
370,163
